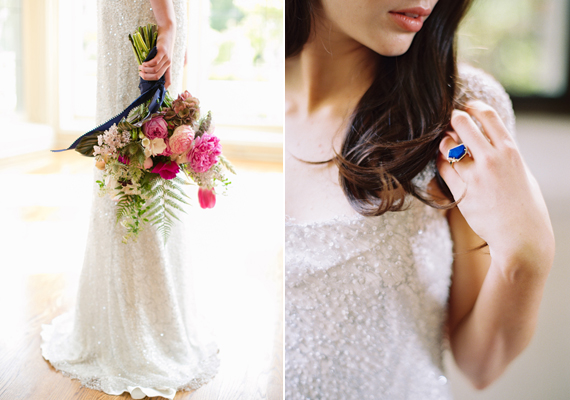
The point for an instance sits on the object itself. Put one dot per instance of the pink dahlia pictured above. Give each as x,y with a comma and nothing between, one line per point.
204,153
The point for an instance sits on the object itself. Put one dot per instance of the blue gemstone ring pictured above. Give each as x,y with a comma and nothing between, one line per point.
457,153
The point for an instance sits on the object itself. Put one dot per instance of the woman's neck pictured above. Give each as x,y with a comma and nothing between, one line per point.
332,69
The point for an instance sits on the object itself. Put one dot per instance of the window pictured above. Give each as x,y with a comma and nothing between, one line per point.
236,51
24,88
77,64
11,90
524,44
235,62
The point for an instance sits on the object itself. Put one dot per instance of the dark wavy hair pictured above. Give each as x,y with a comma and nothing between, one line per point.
398,123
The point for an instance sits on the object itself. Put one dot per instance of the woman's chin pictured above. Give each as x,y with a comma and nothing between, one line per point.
394,48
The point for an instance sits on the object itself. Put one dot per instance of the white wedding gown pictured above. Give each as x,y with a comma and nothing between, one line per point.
134,328
366,297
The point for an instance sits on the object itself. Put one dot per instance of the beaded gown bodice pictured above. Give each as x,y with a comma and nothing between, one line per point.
366,297
365,301
134,328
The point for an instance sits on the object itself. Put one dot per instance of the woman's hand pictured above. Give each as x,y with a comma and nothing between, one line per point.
500,199
160,65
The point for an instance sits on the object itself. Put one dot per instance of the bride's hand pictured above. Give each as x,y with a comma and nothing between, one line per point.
501,201
160,65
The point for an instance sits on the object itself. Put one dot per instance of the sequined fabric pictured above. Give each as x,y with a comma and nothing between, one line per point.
134,327
366,297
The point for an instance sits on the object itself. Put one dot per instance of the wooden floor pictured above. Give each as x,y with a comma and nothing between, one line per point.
46,198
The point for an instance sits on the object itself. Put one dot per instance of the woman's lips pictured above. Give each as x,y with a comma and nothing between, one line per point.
410,19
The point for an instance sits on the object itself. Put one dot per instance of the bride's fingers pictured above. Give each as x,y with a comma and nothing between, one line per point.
451,177
461,167
167,78
165,63
469,133
155,61
490,120
454,135
153,76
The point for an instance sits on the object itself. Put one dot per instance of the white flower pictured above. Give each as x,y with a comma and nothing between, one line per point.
153,147
179,158
111,183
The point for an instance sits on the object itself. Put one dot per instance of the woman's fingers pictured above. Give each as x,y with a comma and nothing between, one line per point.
448,172
451,178
490,120
469,133
167,78
156,67
454,135
153,74
461,167
154,62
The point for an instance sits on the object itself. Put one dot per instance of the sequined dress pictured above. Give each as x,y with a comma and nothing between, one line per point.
366,297
134,328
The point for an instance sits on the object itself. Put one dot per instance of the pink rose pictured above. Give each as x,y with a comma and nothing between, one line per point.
204,153
156,128
181,139
207,198
166,170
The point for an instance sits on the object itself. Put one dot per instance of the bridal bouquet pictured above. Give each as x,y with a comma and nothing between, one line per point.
153,148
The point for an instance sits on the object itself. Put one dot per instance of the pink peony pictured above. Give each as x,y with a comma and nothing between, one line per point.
204,153
166,170
181,139
156,128
207,198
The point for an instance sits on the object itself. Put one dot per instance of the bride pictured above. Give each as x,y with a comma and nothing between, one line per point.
134,328
382,271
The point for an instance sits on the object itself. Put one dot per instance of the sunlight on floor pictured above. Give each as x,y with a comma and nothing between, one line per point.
236,259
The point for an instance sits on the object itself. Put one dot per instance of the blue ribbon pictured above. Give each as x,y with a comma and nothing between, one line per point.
149,90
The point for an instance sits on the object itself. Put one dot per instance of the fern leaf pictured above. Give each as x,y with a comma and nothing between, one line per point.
172,213
173,204
178,198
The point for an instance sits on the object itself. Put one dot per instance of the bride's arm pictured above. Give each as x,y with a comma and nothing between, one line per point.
496,291
160,65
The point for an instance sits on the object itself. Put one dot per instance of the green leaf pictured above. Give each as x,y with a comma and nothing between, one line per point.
169,211
173,204
228,165
86,144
